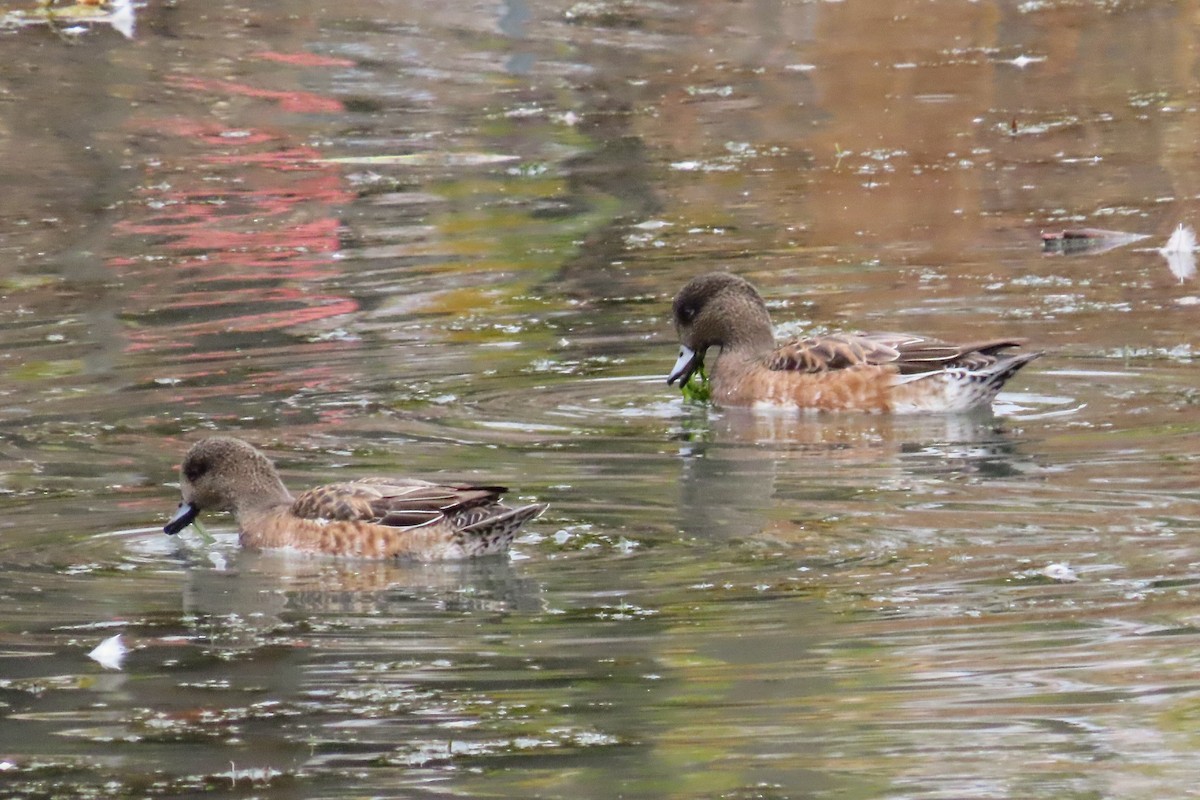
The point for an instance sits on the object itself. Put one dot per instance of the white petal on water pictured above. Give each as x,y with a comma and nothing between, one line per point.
1060,572
109,653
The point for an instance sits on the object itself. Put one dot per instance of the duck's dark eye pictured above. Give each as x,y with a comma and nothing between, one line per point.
687,313
193,468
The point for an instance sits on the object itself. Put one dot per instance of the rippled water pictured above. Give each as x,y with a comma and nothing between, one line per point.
442,240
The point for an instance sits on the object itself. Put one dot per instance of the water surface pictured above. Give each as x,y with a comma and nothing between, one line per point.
442,241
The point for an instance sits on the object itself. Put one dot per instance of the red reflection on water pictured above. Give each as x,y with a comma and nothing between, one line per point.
206,131
299,102
234,238
294,252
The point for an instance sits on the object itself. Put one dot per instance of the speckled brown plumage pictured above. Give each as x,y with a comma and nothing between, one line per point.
876,372
368,517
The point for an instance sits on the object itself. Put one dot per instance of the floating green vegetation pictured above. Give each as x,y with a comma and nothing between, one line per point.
207,538
41,370
696,389
21,283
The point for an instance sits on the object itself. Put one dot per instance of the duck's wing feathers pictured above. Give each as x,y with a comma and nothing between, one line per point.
401,503
831,352
918,355
909,354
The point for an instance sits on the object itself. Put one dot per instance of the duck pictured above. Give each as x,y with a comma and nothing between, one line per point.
892,373
403,518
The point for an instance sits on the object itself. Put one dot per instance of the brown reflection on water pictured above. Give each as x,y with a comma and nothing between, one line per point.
923,135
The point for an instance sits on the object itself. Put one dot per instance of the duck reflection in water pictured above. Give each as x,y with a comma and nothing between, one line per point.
758,475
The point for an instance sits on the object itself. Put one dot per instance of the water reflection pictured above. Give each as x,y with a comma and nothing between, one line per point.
787,478
249,597
441,240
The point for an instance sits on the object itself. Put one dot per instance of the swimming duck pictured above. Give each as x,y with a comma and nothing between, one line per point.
875,372
365,517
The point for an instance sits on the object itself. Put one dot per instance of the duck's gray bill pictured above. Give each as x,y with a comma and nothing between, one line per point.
687,364
183,517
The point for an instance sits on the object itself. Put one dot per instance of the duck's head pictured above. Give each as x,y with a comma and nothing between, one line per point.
717,310
221,473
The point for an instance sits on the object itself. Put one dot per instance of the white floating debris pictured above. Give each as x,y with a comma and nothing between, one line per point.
109,653
1022,61
1182,265
1060,572
1183,240
77,18
1180,252
122,17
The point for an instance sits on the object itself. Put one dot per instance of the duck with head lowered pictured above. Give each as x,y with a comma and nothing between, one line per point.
875,372
364,517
